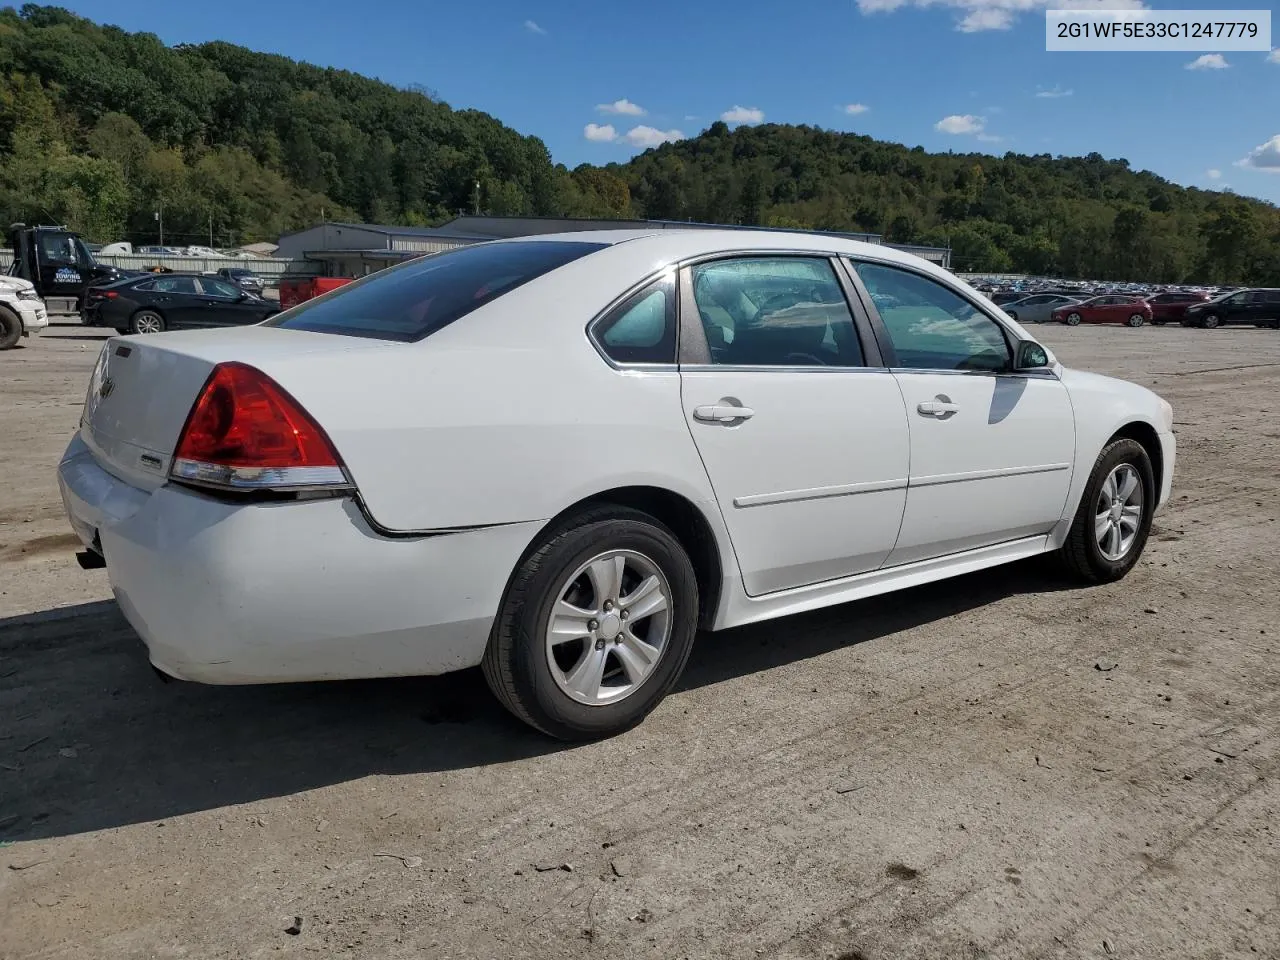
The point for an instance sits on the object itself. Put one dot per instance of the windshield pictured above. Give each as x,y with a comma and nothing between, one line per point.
83,256
415,299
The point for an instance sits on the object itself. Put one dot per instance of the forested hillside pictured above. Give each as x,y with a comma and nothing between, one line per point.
1076,216
100,128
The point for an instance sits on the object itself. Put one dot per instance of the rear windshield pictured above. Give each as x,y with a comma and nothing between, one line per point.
415,299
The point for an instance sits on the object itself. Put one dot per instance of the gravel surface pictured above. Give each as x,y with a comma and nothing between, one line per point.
997,766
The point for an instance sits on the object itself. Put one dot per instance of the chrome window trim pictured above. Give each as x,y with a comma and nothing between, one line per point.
850,284
768,368
1037,373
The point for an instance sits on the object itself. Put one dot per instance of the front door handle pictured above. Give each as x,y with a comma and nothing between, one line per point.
940,407
728,411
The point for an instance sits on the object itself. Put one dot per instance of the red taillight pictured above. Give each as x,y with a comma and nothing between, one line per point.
111,294
246,433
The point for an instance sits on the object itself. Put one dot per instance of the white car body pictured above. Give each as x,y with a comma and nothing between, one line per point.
464,446
20,296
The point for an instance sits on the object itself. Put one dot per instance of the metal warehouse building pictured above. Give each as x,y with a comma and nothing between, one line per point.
356,249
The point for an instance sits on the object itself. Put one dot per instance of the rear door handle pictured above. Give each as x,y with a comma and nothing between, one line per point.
727,411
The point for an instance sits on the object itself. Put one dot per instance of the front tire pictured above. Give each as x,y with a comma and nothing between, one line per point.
1114,518
1210,321
147,321
1073,319
1137,320
596,626
10,328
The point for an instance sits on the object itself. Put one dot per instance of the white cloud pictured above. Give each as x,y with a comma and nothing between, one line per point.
958,124
643,136
691,116
599,133
1274,56
976,16
1209,61
986,18
990,138
534,28
1265,157
853,109
743,115
1213,174
1055,93
623,106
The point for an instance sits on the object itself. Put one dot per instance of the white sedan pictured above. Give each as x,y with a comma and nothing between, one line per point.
559,457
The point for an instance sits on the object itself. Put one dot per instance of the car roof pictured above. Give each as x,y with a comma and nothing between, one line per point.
680,244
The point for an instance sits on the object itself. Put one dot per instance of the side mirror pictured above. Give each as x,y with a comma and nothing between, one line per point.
1030,356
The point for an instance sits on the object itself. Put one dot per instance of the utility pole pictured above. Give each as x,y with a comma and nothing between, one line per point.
159,216
211,230
477,204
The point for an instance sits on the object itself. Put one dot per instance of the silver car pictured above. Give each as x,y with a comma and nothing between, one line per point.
1037,307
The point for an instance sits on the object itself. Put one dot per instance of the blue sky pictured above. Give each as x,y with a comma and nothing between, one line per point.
964,75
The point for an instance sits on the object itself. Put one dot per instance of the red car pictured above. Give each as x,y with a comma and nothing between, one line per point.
1132,311
1171,306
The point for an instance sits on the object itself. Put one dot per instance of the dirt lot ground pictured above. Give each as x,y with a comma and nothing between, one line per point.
942,773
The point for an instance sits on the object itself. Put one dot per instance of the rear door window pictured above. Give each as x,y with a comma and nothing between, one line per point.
175,285
775,311
415,299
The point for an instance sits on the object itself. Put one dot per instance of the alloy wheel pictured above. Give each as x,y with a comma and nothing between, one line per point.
148,323
609,627
1118,512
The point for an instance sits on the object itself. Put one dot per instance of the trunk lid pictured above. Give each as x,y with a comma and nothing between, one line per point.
143,388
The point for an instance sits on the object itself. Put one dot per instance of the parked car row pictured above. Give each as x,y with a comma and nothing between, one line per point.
1259,307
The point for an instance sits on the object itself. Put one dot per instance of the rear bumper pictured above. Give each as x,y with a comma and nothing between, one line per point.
301,590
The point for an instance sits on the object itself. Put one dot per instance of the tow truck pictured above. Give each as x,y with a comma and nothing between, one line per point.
59,266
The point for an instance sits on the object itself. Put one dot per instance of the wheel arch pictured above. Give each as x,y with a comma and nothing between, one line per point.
686,521
1148,438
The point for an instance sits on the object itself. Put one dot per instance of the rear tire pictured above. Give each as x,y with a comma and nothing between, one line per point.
535,680
10,328
1137,320
147,321
1082,554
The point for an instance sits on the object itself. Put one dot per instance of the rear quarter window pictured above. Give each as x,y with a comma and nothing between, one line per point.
413,300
